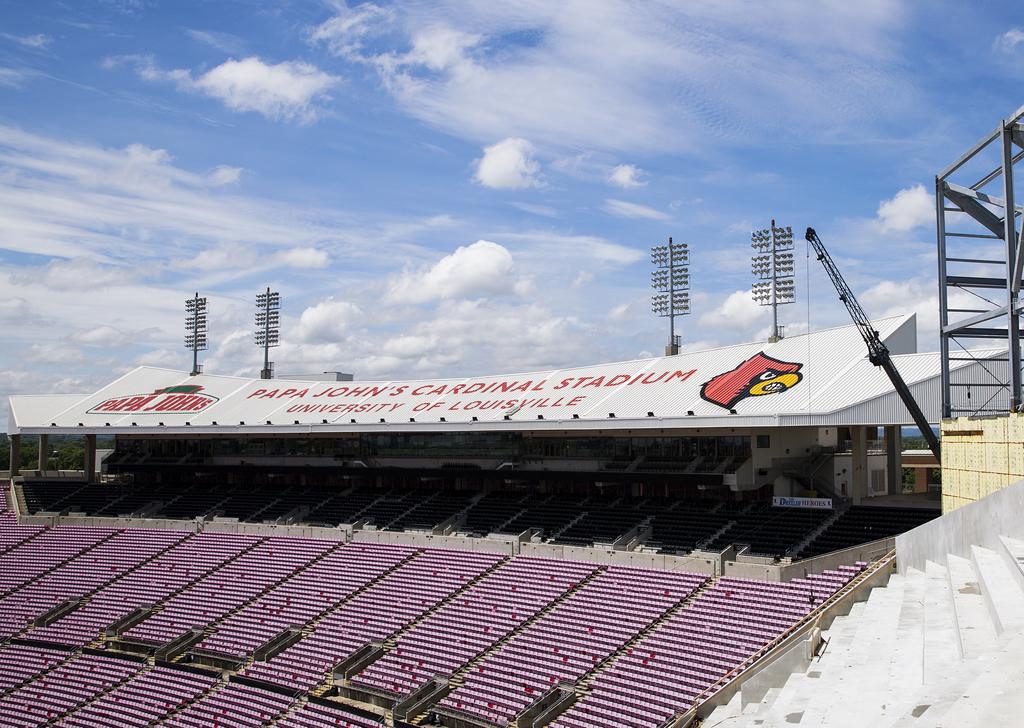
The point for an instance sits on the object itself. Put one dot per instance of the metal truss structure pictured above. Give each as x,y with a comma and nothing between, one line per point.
981,257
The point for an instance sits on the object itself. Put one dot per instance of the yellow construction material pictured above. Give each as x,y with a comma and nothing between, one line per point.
980,456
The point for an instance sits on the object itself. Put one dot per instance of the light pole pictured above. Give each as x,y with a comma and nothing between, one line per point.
671,279
195,329
773,267
268,308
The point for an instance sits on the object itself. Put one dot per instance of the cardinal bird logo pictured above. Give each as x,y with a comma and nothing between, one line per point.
757,376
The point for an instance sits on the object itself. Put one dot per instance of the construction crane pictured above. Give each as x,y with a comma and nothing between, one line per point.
878,353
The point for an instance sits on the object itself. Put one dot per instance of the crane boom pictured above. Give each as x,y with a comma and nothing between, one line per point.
878,353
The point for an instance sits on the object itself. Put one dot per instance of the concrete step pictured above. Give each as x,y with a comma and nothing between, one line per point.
851,684
941,641
983,691
905,671
1003,596
975,630
727,712
1012,552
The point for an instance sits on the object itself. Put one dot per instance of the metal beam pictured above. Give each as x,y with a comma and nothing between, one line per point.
994,174
1018,268
980,334
968,203
1012,270
981,196
1017,132
976,282
940,230
973,320
1014,117
970,153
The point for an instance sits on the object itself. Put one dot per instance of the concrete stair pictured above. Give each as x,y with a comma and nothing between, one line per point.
942,647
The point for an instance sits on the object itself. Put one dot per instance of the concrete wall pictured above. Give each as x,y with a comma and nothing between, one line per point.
639,559
753,567
428,540
1001,513
980,456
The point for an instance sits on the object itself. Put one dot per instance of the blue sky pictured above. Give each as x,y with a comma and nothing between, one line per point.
464,186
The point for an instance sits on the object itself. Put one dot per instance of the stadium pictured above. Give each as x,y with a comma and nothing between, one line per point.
721,535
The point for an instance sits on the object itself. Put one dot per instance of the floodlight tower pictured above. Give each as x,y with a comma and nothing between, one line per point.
195,329
671,279
772,263
268,307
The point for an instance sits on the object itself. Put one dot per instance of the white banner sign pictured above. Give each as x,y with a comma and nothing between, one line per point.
784,502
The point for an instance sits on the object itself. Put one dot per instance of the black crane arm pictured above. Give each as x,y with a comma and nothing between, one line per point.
878,353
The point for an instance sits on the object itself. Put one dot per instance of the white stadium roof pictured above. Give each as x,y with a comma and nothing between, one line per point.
822,378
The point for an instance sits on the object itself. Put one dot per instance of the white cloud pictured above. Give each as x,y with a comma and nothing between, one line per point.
627,176
327,321
225,175
508,165
72,200
161,358
304,258
37,41
582,278
79,274
112,336
483,268
681,73
11,78
224,42
920,295
570,248
633,210
910,208
344,33
737,315
51,353
1010,40
533,209
286,91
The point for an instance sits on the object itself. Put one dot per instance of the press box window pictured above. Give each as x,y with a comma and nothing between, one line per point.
764,441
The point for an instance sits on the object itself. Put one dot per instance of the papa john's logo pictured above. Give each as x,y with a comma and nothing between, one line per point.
177,400
757,376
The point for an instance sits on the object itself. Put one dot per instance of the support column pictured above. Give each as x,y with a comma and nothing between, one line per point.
90,458
15,441
44,452
858,463
920,480
893,453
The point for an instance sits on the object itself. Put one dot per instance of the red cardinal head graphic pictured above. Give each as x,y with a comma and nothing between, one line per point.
758,375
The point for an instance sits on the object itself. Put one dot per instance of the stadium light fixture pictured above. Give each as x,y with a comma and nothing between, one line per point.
195,329
773,267
671,281
268,327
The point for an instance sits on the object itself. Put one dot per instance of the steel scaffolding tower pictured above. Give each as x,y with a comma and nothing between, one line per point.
980,268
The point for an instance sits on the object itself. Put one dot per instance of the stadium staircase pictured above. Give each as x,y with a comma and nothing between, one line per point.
940,646
822,527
